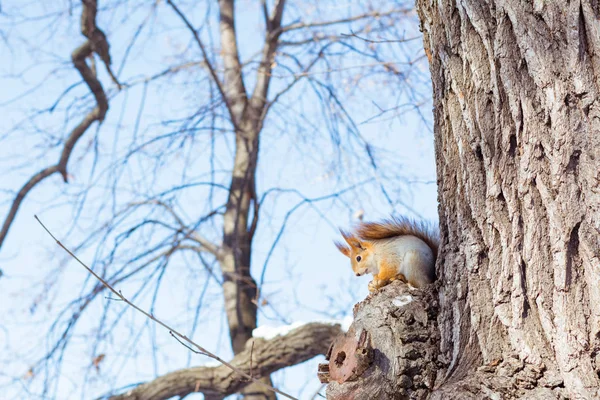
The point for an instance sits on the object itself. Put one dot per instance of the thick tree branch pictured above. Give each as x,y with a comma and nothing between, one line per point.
263,78
97,38
266,357
235,91
265,10
96,42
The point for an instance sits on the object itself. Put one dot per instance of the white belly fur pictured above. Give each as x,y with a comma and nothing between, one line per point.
416,259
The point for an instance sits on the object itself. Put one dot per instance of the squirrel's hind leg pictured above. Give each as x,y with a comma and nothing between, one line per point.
399,277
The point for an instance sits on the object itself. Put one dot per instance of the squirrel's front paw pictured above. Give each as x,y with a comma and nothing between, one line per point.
374,285
371,287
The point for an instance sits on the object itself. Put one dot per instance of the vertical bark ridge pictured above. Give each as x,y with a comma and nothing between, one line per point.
517,117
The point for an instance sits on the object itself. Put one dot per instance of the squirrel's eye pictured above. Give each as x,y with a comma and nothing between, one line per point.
358,258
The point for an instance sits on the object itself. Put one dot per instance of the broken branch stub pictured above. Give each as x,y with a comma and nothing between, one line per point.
390,350
352,356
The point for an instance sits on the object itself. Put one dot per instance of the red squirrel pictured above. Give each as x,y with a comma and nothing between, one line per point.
394,249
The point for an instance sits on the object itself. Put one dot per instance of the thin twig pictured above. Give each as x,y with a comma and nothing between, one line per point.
186,346
172,331
209,66
377,14
403,40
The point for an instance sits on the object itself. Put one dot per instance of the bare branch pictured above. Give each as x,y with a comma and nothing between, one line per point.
37,178
259,359
209,66
205,243
263,75
96,42
192,234
372,14
235,91
289,214
402,40
297,78
164,325
97,38
266,14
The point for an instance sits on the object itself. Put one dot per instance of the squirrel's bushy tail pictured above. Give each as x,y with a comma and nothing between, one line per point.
399,226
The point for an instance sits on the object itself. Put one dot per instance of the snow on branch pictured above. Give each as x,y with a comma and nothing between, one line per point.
269,332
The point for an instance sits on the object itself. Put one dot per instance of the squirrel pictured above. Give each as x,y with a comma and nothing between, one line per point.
394,249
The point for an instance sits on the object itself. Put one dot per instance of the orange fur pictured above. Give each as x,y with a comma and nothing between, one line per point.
398,226
387,271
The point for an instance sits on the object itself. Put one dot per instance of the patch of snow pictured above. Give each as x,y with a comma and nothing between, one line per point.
346,322
211,363
269,332
401,301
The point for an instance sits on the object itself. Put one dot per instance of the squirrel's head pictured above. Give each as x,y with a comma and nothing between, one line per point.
360,253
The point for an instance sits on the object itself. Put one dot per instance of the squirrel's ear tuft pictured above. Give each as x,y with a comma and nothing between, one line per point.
352,240
343,249
349,238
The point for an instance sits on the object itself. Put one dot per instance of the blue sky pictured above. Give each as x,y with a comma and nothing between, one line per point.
306,278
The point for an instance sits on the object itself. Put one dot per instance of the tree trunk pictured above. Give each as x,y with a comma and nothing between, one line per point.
517,124
239,287
517,117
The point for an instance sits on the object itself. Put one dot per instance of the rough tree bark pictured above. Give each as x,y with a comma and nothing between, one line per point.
391,349
517,117
517,123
